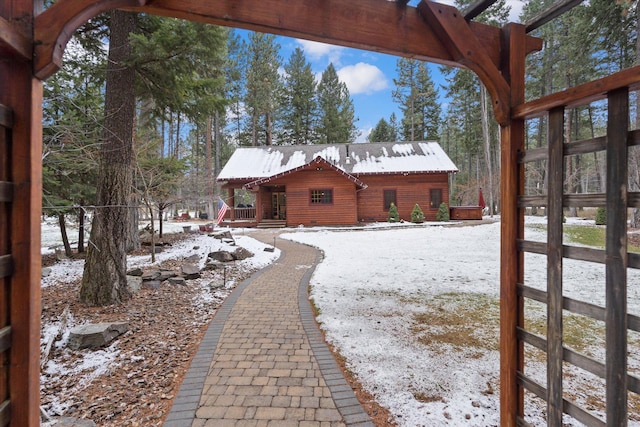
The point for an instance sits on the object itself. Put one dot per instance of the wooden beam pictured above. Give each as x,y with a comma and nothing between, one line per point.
579,95
20,222
512,231
467,50
13,44
616,258
54,27
550,13
554,268
477,8
375,25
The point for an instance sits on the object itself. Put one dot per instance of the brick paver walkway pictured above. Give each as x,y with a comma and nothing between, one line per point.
263,361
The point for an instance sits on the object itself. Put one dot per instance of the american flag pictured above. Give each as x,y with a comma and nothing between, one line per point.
222,209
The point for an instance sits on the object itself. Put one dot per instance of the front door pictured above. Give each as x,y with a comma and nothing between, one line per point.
279,205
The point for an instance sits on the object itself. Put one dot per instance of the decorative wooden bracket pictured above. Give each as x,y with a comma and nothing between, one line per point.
454,32
54,27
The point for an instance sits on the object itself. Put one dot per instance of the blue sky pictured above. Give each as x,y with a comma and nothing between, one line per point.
368,75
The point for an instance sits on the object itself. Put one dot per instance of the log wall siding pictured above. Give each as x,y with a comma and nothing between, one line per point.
299,208
410,189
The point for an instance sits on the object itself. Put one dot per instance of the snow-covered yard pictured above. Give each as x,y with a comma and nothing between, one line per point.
415,312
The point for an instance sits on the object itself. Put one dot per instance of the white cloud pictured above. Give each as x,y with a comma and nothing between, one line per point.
363,78
316,51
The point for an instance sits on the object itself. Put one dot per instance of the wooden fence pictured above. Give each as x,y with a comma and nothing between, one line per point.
616,199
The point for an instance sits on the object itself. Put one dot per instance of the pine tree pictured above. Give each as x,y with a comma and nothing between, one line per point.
104,279
417,97
337,120
393,215
263,86
73,105
443,213
417,216
299,105
383,132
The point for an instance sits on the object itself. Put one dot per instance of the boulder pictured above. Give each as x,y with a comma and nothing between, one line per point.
241,253
166,274
213,265
72,422
95,335
192,258
134,283
222,256
152,284
223,235
215,286
177,281
190,271
135,272
151,275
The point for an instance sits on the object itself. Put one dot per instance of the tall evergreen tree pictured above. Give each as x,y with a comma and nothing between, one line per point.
383,132
263,87
417,96
235,75
337,118
104,279
72,111
300,109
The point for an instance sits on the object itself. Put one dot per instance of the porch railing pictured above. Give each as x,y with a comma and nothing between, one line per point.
244,213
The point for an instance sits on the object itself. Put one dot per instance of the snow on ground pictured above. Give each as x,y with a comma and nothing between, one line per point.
390,301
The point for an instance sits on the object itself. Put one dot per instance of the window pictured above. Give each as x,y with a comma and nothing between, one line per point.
436,198
389,197
321,197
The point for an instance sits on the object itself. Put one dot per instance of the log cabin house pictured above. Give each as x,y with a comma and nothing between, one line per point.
343,184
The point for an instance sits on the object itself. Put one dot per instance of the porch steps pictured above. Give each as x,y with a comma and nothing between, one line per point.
272,223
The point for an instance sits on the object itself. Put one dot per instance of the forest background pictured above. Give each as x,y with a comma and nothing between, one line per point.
146,111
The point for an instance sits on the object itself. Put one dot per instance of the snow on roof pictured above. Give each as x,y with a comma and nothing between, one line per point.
356,159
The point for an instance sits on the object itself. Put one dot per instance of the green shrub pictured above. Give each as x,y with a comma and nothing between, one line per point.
393,213
601,216
443,213
417,216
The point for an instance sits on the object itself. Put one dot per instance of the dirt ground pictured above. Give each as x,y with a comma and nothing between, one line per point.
165,328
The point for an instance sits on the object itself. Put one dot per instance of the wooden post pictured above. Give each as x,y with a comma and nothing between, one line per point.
21,92
616,258
554,267
511,229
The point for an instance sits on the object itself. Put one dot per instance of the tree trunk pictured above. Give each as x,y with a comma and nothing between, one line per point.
80,230
634,155
160,215
104,280
487,144
153,237
65,238
209,168
133,237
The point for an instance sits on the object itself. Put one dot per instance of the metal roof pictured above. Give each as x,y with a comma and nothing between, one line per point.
253,163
